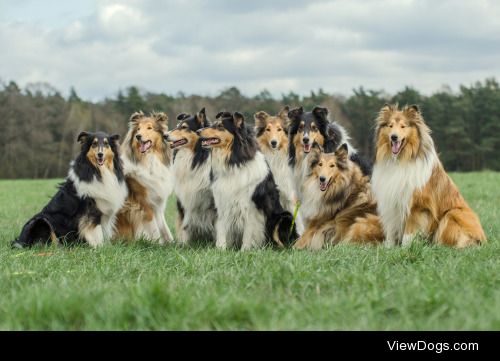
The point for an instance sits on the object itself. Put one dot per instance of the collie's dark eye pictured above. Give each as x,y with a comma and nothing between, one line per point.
390,126
332,165
184,127
149,128
94,145
301,127
320,164
313,127
268,130
279,129
220,126
403,127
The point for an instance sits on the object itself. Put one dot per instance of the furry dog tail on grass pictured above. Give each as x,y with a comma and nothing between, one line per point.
249,213
338,205
413,191
86,204
146,161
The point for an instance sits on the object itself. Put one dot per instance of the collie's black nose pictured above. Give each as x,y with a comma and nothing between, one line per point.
100,155
138,137
322,179
274,143
305,140
394,138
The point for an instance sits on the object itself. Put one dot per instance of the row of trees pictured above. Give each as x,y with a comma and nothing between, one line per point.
39,126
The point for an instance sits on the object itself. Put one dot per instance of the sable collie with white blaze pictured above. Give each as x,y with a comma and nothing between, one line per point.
191,170
272,137
337,204
247,199
414,194
86,204
310,128
146,164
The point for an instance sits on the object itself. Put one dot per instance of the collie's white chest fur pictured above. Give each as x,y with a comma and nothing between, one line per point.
108,193
282,173
393,185
233,188
154,175
312,201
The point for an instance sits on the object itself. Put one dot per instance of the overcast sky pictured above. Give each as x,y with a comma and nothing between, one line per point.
202,47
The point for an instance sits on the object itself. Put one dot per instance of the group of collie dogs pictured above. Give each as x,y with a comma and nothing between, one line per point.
290,179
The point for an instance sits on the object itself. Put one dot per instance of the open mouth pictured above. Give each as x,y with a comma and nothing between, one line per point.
207,142
178,143
307,148
324,185
145,146
396,146
100,161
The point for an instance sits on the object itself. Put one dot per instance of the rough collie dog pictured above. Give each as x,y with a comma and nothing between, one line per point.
413,191
146,164
272,137
337,205
247,199
86,204
191,169
313,128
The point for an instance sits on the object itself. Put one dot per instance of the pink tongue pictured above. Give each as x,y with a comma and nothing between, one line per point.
307,147
144,146
395,147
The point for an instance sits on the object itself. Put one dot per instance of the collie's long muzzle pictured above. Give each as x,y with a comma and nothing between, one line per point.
323,183
207,142
145,146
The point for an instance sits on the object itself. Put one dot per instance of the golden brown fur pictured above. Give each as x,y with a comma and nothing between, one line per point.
437,210
145,201
338,203
224,137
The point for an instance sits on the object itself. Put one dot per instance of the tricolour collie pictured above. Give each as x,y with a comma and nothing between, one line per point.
310,128
272,137
337,204
191,169
86,204
413,191
146,164
246,197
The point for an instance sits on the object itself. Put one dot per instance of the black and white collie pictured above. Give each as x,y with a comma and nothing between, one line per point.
308,129
86,204
191,169
246,197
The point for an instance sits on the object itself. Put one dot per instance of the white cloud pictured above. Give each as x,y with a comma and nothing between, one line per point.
203,47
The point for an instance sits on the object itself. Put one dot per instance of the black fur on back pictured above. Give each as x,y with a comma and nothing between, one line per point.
61,216
266,199
195,122
244,145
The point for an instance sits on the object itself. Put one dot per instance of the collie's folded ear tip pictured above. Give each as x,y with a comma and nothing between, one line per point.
115,137
82,137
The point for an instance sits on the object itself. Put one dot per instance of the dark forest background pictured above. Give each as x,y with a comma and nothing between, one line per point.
39,126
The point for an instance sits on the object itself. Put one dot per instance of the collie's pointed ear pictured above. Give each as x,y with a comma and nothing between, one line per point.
114,138
201,116
320,112
342,153
411,111
161,117
134,118
295,113
239,119
313,157
219,114
260,119
386,112
283,114
82,137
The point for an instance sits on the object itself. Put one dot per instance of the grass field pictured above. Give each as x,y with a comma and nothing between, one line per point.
146,286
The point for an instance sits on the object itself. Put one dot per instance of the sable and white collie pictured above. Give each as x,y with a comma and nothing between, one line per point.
146,163
272,137
337,205
413,191
86,204
246,197
191,169
310,128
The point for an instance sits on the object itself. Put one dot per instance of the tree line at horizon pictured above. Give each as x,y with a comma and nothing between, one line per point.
39,125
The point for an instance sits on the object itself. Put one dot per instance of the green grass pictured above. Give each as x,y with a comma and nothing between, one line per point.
145,286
